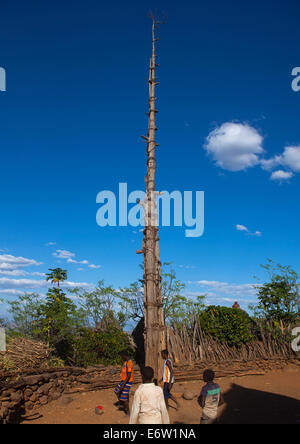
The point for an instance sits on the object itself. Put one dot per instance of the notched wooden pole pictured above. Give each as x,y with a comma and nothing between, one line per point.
155,330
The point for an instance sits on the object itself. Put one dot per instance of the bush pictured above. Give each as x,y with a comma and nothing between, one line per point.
229,325
101,347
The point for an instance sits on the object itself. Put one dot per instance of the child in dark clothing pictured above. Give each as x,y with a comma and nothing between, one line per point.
210,398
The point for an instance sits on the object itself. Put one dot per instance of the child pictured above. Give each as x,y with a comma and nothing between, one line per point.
123,388
149,406
168,378
210,398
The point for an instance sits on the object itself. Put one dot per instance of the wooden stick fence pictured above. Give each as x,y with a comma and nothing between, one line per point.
191,345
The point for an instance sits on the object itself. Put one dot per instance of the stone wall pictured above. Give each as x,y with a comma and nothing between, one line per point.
21,395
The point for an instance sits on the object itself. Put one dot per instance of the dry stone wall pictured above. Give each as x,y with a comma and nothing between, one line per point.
20,395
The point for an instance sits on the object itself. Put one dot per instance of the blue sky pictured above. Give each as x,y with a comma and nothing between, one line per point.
70,126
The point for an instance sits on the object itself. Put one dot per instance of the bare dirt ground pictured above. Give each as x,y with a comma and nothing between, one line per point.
273,398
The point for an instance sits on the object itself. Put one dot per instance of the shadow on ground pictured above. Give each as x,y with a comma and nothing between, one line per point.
248,406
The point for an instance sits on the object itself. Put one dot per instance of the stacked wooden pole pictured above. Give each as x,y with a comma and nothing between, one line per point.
155,340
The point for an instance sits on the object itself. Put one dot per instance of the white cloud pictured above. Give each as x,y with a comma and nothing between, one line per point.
70,284
241,228
63,254
246,230
223,288
17,272
9,262
94,266
281,175
13,286
187,267
49,244
270,164
235,146
291,158
74,261
36,273
239,146
13,266
7,283
256,233
12,292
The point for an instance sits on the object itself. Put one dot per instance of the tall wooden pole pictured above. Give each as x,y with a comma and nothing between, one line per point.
155,332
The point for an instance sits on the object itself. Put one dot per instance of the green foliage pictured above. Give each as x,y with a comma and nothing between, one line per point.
177,307
227,325
131,301
69,327
94,347
56,276
58,321
25,313
98,304
54,361
278,299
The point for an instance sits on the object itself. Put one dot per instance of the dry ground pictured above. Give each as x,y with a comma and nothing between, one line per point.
272,398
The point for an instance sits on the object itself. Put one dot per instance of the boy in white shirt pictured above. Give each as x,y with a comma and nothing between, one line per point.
149,406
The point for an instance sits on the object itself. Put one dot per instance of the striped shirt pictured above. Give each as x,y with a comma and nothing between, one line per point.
167,373
127,368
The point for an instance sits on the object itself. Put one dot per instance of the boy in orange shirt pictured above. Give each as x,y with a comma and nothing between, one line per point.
123,388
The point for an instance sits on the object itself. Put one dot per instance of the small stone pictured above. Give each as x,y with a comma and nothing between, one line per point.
16,397
45,388
65,400
5,393
34,397
44,400
32,380
188,395
29,405
27,393
179,388
55,395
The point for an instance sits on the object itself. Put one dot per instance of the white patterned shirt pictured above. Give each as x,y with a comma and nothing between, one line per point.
149,406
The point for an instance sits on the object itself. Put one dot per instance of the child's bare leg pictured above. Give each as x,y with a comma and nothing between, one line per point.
175,400
126,407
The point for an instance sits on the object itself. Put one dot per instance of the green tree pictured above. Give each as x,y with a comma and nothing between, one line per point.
177,307
228,325
131,300
56,317
99,304
59,320
97,346
56,276
278,299
25,312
